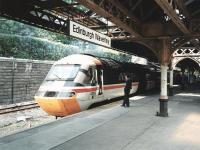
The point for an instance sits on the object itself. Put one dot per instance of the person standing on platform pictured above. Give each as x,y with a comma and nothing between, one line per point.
127,90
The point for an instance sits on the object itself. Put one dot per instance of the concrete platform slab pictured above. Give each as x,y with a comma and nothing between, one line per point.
119,128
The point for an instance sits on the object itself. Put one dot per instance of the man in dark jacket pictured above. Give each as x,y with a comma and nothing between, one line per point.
127,89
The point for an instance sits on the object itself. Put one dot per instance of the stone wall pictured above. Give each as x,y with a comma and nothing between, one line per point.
21,78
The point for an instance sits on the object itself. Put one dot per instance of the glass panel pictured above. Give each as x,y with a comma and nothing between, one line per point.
63,72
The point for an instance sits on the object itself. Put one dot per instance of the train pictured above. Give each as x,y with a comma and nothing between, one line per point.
77,81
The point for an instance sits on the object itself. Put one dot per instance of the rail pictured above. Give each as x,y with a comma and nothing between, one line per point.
18,108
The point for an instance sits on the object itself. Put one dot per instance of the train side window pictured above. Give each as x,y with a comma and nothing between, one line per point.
90,77
147,76
93,76
99,78
122,77
134,77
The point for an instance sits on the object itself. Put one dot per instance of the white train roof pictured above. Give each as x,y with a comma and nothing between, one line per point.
86,59
79,59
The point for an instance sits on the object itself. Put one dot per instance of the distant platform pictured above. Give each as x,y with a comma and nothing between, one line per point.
119,128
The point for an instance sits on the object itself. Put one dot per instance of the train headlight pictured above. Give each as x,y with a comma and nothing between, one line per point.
66,94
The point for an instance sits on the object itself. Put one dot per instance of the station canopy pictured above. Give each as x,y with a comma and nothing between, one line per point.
134,26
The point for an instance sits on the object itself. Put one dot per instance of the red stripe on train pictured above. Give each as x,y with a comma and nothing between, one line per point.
117,86
106,87
85,90
113,87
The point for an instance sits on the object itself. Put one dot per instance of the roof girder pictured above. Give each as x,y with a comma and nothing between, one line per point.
112,13
167,8
126,12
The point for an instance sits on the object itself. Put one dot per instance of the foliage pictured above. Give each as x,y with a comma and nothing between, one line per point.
24,41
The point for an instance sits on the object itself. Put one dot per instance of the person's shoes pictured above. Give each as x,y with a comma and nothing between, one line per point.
122,106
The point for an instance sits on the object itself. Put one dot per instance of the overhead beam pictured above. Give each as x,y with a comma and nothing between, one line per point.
154,38
22,12
102,27
110,13
167,8
126,12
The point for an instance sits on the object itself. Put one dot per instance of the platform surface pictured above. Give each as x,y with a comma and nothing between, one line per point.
119,128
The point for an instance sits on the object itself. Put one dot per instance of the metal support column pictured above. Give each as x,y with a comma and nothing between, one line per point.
171,92
163,94
165,55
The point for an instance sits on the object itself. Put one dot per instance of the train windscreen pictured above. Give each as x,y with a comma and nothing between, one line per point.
63,72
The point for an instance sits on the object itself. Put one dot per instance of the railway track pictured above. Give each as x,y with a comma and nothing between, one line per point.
18,108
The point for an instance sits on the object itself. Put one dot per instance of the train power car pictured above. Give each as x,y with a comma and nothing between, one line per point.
77,81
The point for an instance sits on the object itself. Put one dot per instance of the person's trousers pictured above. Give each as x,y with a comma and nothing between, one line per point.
126,98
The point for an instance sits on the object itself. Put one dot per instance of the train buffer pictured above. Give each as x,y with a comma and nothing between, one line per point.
116,128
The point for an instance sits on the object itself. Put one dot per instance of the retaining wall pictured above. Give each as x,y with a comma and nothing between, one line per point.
21,78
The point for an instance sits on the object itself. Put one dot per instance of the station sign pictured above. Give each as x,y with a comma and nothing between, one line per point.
84,33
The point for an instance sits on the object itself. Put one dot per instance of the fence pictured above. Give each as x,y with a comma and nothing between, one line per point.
21,78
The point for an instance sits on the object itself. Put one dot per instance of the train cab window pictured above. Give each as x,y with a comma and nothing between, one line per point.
63,72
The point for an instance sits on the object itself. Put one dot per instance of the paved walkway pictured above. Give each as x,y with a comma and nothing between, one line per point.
118,128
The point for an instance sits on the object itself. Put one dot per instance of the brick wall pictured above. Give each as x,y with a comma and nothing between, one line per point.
21,78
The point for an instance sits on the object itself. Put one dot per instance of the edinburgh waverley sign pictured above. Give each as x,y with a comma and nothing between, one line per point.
81,32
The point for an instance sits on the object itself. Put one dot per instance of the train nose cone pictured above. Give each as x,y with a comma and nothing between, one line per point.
59,107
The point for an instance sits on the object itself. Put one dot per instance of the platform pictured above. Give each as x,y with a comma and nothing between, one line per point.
119,128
